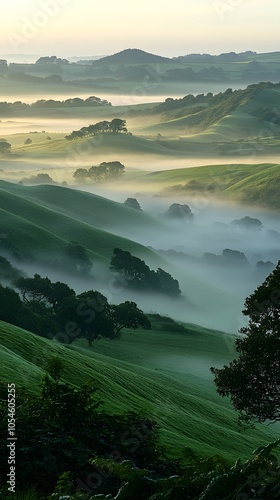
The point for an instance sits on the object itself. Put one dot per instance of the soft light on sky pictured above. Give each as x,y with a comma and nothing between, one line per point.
171,28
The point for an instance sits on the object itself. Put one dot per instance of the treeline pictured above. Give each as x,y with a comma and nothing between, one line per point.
74,102
205,109
115,126
55,311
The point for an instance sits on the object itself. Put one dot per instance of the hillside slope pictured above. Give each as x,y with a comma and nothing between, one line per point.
163,374
227,116
251,184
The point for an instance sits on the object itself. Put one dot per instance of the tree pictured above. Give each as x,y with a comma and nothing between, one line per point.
127,315
252,380
90,316
78,257
28,141
248,224
132,203
178,211
43,291
117,125
5,147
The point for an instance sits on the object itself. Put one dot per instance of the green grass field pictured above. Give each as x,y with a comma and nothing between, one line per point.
249,184
33,227
165,375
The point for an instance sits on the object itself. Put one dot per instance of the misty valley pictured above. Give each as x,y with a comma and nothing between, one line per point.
140,276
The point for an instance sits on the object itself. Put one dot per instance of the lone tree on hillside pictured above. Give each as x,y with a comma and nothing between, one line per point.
132,203
5,147
78,258
252,380
178,211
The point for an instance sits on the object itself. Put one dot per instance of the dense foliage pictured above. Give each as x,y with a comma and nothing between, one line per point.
115,126
135,273
104,172
53,310
253,379
89,454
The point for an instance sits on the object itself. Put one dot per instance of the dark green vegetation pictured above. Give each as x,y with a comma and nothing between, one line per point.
53,310
256,370
115,126
128,376
106,171
136,274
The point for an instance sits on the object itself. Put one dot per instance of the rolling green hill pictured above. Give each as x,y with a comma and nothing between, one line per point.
31,227
227,116
165,375
251,184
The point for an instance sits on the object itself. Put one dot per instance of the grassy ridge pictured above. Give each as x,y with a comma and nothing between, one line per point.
251,184
32,227
163,374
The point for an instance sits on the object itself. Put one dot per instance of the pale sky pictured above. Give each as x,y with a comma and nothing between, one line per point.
171,28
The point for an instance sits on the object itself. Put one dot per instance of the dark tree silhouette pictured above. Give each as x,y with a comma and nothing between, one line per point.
127,315
132,203
252,380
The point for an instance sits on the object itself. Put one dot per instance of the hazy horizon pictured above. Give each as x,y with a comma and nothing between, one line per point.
68,28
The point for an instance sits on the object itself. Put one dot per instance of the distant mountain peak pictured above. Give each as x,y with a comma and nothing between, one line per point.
131,56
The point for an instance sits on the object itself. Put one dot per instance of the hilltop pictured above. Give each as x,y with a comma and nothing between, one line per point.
131,56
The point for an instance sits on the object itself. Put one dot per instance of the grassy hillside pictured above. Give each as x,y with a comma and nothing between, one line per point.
31,227
227,116
251,184
163,374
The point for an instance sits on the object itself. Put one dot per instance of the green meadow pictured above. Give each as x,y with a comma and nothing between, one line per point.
163,374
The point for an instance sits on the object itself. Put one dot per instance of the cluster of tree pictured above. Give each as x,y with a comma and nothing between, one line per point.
135,273
62,428
247,224
225,57
90,454
10,108
228,258
115,126
188,74
51,60
53,310
104,172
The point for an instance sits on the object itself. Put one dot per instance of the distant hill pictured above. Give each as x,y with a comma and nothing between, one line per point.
249,184
131,56
224,117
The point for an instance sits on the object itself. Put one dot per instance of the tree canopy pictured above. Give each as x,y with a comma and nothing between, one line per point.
133,203
104,172
137,274
114,126
53,310
252,380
